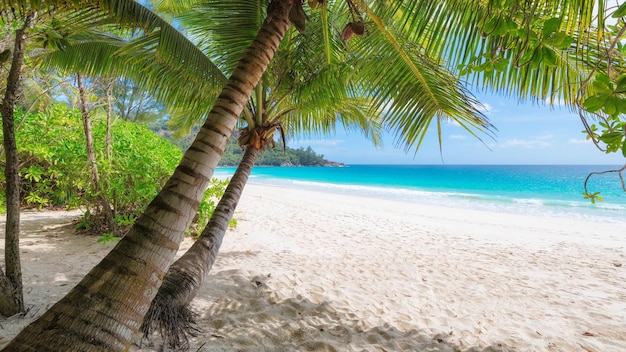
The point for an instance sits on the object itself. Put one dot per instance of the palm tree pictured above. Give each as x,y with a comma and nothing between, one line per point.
287,99
107,306
349,107
169,312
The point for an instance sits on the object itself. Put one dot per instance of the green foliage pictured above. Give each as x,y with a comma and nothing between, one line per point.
209,202
107,237
124,219
621,11
52,158
272,157
593,197
3,208
54,163
541,43
84,223
54,170
609,102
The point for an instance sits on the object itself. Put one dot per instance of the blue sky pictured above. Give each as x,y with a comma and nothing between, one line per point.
527,134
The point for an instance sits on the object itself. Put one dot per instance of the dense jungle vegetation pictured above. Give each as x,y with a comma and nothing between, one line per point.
54,171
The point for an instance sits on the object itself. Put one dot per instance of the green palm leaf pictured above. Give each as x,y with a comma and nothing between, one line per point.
480,34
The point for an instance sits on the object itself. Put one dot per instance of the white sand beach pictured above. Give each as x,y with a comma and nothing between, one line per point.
310,271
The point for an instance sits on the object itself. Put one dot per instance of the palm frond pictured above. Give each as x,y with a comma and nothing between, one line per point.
415,89
185,89
176,7
480,34
223,30
128,14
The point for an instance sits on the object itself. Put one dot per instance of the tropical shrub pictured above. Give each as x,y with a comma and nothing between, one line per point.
54,170
209,202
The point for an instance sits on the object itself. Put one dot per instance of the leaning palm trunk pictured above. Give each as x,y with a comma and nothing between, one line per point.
169,312
105,310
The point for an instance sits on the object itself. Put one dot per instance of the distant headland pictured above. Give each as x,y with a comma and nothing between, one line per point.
287,157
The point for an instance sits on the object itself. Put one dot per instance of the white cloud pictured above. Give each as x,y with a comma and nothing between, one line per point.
538,142
545,137
535,143
458,136
578,141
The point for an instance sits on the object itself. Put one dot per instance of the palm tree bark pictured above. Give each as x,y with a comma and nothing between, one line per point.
169,312
11,283
105,310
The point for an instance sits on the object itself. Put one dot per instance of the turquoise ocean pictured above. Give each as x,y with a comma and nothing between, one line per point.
552,190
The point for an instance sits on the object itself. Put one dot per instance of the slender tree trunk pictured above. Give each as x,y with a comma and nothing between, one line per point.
109,146
105,310
130,103
12,282
91,155
108,138
142,99
8,305
169,312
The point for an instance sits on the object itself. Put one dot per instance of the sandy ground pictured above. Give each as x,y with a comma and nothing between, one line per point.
308,271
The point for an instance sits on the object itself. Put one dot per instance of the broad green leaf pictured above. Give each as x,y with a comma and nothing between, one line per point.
566,43
621,85
550,26
621,11
556,39
593,103
501,64
510,25
611,137
502,28
610,106
527,57
602,84
624,149
491,24
621,105
549,57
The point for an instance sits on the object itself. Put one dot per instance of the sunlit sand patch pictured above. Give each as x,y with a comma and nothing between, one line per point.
324,272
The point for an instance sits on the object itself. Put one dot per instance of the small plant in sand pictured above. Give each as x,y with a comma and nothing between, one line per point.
107,238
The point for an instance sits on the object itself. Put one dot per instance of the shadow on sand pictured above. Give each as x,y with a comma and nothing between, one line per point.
238,313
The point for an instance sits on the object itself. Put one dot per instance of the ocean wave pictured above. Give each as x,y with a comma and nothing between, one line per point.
584,210
530,201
